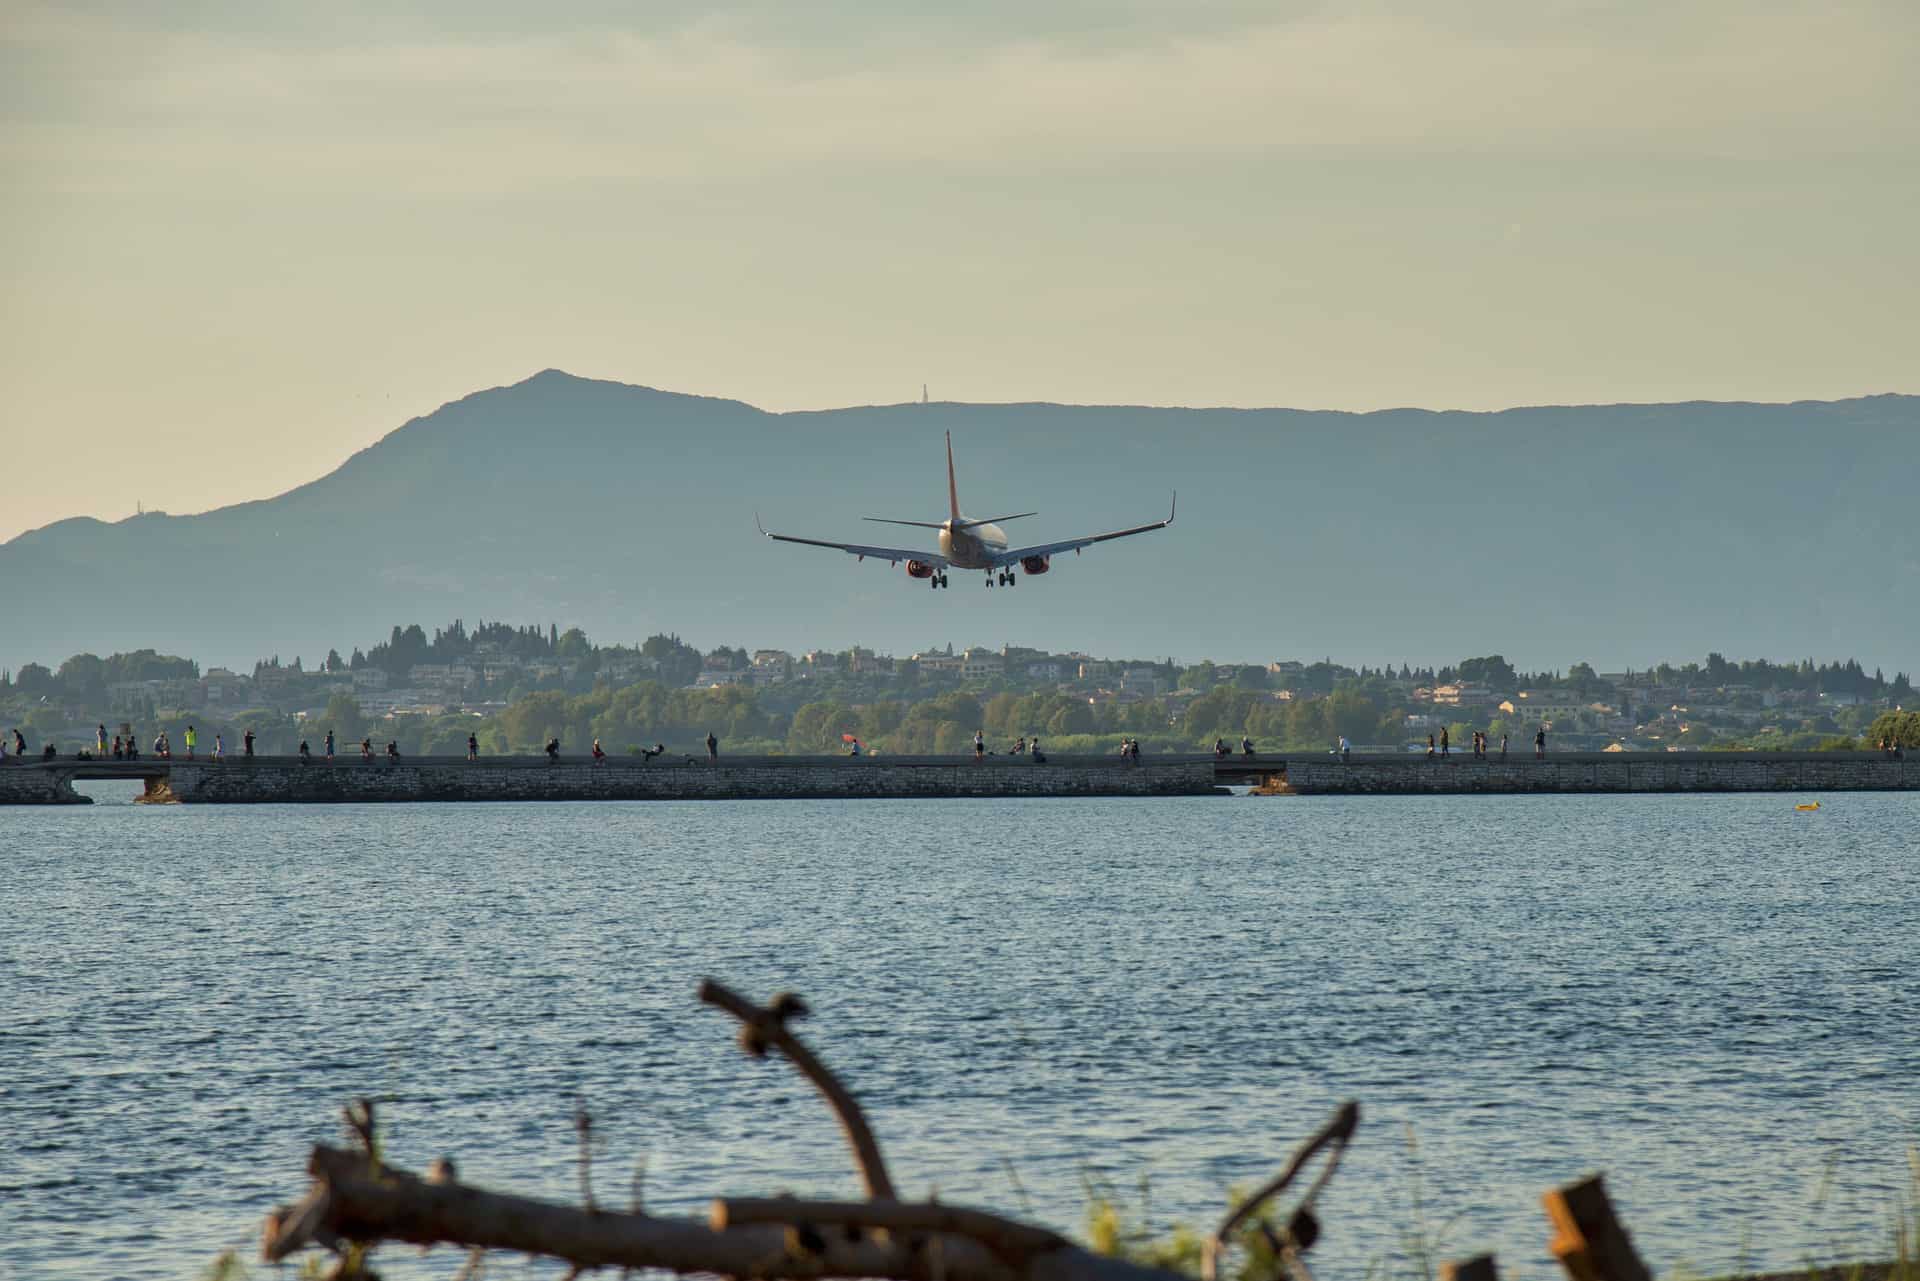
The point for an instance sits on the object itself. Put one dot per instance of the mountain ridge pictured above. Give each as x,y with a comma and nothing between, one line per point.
628,509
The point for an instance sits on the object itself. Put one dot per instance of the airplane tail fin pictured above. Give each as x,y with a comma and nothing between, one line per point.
953,491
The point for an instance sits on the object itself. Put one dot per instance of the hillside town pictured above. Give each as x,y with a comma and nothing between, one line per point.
513,688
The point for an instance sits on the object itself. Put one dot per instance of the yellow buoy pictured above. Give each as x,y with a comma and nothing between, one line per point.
1814,806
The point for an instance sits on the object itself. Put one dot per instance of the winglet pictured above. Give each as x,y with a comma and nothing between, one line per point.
953,490
1173,506
757,525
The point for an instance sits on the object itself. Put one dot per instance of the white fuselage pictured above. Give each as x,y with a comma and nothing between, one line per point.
972,548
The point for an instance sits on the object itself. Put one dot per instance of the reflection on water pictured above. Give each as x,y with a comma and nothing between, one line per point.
1711,998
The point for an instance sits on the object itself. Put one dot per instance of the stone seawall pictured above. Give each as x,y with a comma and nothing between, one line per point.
1605,772
24,784
623,779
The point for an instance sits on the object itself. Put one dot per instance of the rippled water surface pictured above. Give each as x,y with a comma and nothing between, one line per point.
1716,1000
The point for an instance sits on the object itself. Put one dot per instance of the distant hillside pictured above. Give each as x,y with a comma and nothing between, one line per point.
1617,534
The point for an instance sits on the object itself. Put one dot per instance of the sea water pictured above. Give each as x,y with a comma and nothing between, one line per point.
1713,999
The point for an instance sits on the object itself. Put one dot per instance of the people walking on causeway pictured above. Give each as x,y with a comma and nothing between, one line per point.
1033,750
119,748
1503,747
473,748
191,740
366,748
1429,747
306,753
1246,745
100,737
19,745
979,746
1219,749
599,756
1446,744
219,747
1346,750
329,747
553,751
713,748
1540,744
393,752
246,744
1020,746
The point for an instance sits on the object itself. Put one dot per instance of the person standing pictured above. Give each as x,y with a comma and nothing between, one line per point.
191,740
119,748
306,753
599,755
473,748
366,748
979,746
100,737
1346,750
219,747
1429,747
1540,744
246,744
329,747
19,744
1446,742
1503,747
713,748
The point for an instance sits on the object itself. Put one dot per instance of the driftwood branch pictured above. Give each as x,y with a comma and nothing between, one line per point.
1300,1233
1011,1240
354,1201
763,1029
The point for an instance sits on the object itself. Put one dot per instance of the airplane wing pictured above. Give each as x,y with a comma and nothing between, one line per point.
892,555
1014,554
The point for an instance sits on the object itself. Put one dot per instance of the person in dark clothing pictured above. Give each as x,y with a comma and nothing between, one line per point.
1446,743
329,747
19,745
553,751
648,753
1503,747
366,748
119,749
1429,747
713,748
393,752
1540,744
306,753
473,748
246,743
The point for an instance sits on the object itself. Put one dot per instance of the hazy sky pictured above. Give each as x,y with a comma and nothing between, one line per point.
240,240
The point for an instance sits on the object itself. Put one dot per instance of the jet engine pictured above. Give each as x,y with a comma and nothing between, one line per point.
1034,564
919,569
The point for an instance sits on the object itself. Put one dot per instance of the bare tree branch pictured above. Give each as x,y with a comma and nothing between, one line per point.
353,1201
1335,1134
1012,1241
761,1029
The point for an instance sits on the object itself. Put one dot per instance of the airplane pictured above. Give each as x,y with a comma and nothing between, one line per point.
971,544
